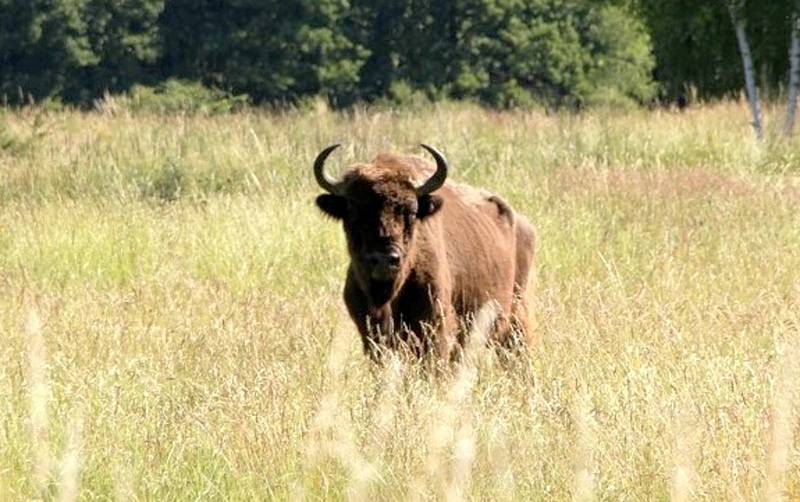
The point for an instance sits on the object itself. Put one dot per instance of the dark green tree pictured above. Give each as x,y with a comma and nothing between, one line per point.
42,42
274,51
696,50
124,36
507,52
499,52
75,49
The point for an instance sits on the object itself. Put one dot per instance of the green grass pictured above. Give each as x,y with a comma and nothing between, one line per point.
171,323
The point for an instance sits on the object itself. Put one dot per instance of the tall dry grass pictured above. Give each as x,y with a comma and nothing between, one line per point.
40,394
783,419
171,323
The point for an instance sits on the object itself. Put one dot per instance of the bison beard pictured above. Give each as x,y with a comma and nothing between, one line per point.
425,256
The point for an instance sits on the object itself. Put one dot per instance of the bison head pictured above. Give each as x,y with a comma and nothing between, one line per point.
380,206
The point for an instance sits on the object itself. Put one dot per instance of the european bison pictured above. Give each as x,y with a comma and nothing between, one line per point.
425,255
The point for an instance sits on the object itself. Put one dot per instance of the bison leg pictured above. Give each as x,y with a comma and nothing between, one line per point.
430,336
374,325
429,322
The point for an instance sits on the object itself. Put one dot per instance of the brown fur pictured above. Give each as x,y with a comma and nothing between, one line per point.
460,247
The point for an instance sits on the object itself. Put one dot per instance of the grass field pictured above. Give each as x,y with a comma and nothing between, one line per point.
171,324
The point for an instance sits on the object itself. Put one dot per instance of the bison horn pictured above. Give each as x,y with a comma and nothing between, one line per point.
437,180
325,181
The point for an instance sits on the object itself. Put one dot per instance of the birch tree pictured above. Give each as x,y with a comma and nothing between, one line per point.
794,71
735,10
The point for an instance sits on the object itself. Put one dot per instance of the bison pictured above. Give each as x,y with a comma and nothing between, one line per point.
426,255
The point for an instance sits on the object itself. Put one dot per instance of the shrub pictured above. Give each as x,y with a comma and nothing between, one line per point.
180,96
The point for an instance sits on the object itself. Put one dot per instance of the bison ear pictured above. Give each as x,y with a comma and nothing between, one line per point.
428,205
332,205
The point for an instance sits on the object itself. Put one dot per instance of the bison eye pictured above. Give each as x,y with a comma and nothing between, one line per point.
408,213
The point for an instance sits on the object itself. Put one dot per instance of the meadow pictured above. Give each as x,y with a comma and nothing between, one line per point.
171,322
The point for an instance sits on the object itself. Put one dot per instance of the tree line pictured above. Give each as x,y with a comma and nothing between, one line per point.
502,53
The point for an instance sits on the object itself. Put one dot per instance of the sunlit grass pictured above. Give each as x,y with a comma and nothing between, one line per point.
171,323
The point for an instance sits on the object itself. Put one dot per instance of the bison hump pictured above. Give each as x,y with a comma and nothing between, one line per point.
504,211
486,202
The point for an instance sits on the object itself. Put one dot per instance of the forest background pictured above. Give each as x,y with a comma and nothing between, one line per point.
501,53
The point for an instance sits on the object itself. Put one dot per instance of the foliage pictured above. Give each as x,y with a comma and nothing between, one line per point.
696,51
621,65
177,96
274,51
500,52
75,49
507,53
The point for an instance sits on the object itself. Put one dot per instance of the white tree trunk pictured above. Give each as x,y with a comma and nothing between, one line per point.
794,71
749,71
